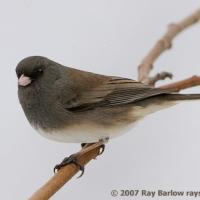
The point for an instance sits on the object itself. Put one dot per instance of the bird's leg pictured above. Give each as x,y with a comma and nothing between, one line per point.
73,158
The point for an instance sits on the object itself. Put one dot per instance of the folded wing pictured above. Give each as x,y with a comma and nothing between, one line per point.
108,91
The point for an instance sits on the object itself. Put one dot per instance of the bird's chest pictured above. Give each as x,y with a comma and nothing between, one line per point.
41,109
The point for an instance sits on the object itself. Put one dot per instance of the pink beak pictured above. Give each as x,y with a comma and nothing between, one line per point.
24,80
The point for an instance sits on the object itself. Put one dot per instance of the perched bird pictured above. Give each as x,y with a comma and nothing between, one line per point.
70,105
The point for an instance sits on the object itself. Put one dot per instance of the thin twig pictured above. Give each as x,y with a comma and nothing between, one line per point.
183,84
163,44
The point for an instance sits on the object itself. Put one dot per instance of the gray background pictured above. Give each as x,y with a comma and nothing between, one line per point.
108,37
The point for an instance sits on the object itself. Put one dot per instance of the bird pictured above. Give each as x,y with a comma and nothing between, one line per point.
74,106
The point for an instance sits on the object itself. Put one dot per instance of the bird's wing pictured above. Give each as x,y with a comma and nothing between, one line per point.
108,91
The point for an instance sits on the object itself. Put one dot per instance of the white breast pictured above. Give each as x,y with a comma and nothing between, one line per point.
83,133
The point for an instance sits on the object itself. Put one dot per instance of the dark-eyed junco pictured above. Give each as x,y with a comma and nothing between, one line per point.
70,105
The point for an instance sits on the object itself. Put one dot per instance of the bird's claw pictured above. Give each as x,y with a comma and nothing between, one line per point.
101,150
69,160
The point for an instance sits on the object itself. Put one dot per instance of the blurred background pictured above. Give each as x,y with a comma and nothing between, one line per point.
108,37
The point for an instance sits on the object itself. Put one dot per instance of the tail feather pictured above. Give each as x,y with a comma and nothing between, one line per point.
177,97
163,101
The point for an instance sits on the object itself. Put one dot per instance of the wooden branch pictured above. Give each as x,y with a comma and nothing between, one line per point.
66,173
163,44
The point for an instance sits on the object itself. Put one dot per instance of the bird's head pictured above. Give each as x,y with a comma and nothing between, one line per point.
31,69
34,69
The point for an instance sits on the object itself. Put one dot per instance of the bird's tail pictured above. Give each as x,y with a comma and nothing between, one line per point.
163,101
180,97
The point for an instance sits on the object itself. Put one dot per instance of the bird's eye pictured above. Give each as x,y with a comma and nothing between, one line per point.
40,70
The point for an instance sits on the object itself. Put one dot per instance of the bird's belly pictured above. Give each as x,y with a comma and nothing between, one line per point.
84,134
89,133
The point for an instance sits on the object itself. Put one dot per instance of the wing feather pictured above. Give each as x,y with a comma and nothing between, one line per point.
113,91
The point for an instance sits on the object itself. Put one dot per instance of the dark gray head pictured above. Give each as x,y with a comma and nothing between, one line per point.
33,68
39,84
